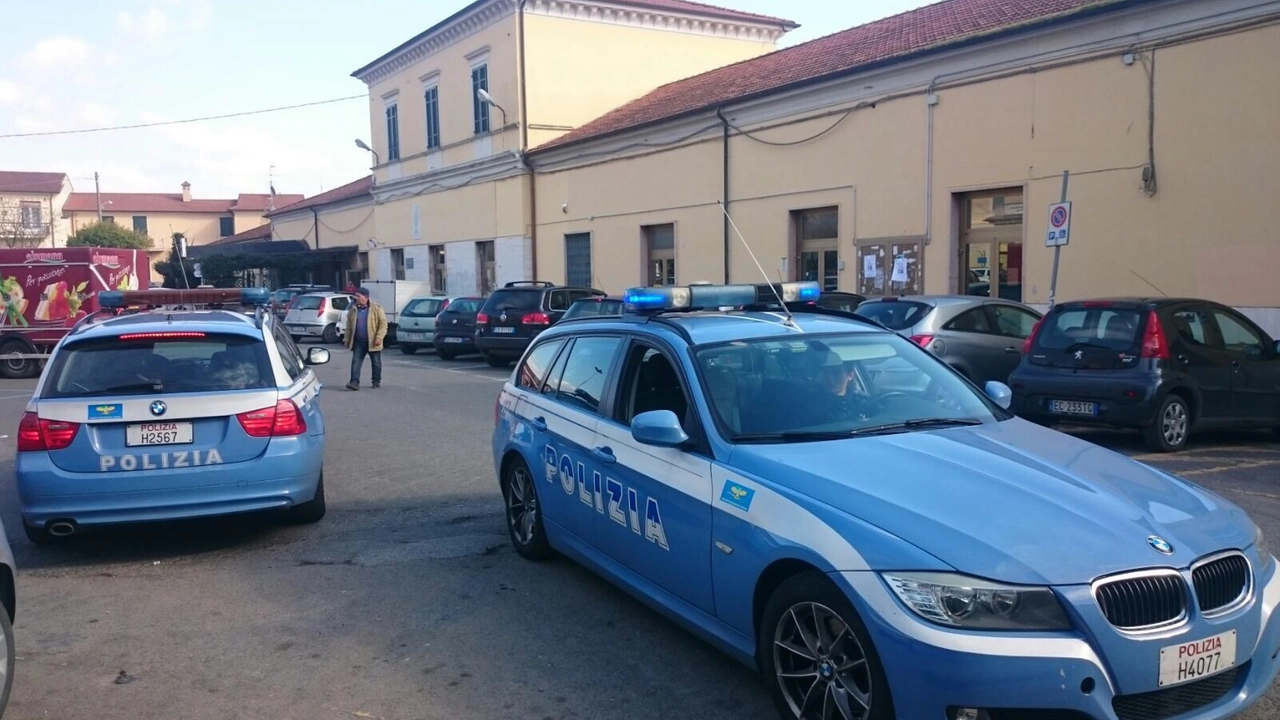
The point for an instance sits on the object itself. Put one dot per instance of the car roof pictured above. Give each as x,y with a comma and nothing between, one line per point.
597,298
1134,300
220,321
707,327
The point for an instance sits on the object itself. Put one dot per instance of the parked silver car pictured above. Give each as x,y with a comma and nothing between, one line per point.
318,315
8,610
417,328
980,337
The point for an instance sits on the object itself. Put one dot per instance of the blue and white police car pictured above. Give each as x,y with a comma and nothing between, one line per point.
828,503
168,405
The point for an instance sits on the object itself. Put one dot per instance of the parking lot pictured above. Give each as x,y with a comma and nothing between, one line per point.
406,601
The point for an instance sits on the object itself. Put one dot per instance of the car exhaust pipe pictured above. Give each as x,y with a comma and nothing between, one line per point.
62,528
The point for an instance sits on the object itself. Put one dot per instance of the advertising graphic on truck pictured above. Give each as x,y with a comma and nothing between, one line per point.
46,291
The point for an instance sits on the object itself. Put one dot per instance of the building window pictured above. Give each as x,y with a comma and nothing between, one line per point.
393,133
226,226
432,99
817,234
112,219
439,277
577,259
480,108
140,224
486,262
31,214
660,244
397,263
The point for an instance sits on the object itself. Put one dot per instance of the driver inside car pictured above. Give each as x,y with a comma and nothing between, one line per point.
840,393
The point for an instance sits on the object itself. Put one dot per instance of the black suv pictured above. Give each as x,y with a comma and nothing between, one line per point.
1166,366
517,312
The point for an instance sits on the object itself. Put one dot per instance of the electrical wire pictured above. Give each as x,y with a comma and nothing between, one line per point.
185,121
839,121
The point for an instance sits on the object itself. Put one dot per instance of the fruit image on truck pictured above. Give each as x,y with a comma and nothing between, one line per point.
45,292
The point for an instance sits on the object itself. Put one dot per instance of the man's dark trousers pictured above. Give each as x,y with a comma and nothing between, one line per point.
359,350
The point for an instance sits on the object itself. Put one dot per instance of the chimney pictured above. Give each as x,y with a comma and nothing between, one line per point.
186,191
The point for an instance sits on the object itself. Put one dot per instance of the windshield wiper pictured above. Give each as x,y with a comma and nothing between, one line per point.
1083,345
907,425
154,386
791,436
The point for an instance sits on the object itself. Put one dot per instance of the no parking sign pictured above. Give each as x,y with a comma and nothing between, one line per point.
1059,225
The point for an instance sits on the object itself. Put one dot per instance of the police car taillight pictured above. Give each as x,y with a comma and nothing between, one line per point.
36,434
282,420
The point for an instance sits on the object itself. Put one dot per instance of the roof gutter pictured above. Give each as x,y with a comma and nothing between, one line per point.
1101,8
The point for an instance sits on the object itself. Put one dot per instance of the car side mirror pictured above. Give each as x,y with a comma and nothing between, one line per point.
317,356
658,427
1000,393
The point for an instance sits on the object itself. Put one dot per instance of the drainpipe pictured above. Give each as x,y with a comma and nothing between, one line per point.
315,224
931,99
524,144
725,184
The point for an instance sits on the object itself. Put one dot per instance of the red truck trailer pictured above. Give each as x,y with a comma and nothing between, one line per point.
45,291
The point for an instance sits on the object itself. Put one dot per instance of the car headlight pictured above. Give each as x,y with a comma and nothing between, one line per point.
1264,552
969,603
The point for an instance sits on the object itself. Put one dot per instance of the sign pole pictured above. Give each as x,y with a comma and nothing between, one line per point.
1057,249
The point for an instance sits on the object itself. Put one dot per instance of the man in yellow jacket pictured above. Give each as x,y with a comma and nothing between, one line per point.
366,331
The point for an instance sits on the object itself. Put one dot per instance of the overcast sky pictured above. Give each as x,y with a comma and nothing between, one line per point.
77,64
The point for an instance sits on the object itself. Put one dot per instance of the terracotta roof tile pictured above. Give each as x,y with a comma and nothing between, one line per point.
259,202
144,203
39,183
262,232
890,38
363,186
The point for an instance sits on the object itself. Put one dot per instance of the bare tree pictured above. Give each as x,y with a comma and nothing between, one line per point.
23,227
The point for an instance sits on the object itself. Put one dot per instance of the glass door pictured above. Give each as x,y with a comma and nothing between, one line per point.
991,244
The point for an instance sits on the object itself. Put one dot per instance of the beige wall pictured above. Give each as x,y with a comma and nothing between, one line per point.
1207,231
454,82
54,235
248,220
199,228
480,211
577,70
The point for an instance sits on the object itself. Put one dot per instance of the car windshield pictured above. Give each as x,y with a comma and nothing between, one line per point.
589,308
306,302
1085,327
834,386
894,314
514,300
110,366
425,307
465,306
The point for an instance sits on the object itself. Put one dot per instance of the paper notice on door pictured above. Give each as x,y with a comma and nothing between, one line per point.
869,266
899,270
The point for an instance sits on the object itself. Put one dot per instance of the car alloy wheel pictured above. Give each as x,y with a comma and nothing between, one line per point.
820,666
524,513
1173,424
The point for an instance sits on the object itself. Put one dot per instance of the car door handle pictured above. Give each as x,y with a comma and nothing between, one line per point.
539,424
604,454
1012,350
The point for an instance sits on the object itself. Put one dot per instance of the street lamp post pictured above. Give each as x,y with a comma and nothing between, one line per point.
365,146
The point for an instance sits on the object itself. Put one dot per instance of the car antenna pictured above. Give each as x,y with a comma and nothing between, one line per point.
1135,272
790,321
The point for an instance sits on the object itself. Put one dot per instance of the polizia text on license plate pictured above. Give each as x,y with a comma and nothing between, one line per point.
1196,659
159,433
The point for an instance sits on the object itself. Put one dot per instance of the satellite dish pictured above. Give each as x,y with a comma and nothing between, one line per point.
372,243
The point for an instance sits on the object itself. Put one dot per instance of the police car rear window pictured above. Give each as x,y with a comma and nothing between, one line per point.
138,365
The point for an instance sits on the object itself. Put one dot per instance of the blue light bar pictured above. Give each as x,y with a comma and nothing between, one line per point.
802,291
640,300
114,299
695,297
718,296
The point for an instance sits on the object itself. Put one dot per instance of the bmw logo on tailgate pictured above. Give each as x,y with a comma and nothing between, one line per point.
158,408
1160,545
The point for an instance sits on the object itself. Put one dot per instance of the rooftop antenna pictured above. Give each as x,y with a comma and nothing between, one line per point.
790,321
271,183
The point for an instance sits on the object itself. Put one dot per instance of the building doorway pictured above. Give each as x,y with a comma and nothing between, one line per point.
817,245
991,262
486,265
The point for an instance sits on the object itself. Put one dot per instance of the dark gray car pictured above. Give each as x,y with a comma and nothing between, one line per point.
982,338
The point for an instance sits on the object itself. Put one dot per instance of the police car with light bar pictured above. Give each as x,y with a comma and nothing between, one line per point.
172,404
830,504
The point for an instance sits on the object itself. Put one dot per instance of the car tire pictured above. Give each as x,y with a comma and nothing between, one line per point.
17,369
330,335
10,657
496,362
408,349
446,354
1171,427
848,666
523,513
313,510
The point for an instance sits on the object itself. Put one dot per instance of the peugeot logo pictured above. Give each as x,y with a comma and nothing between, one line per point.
158,408
1079,354
1160,545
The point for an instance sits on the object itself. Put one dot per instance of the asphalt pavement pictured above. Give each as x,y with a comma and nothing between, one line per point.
406,601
